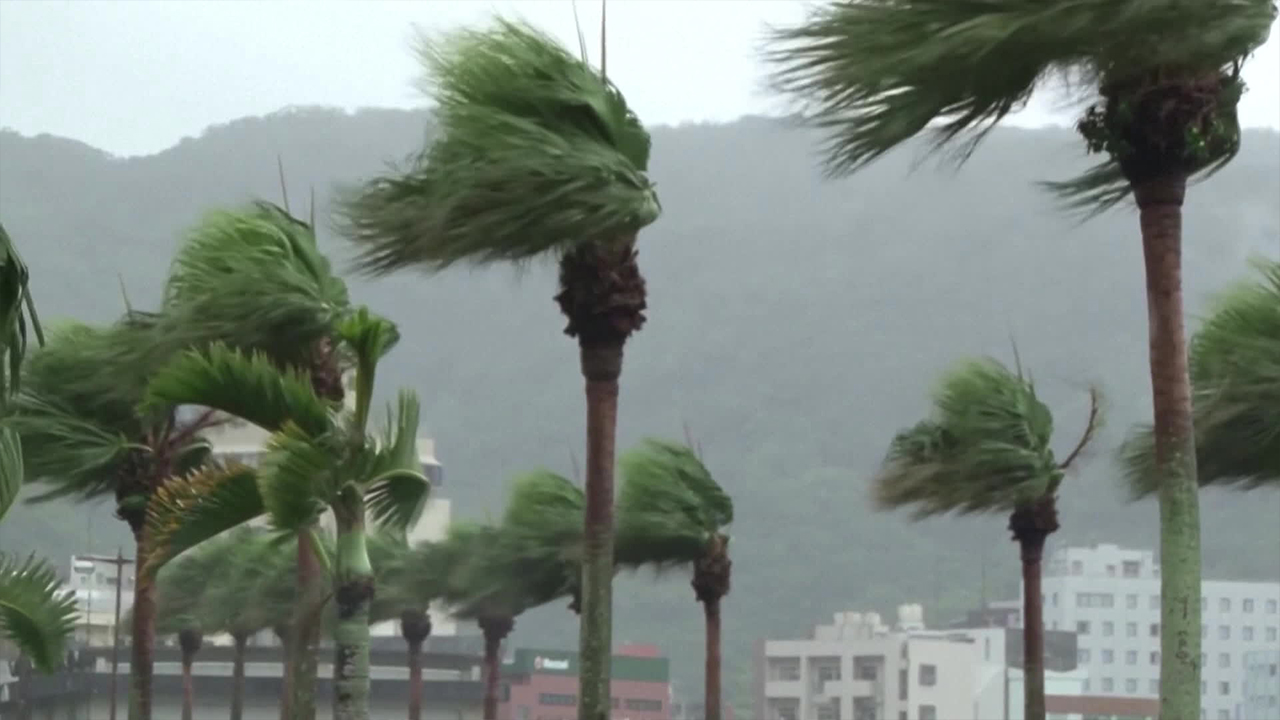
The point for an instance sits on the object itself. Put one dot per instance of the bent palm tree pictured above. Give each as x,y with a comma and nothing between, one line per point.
874,73
34,613
315,460
403,595
537,155
672,512
182,608
987,450
1235,373
256,280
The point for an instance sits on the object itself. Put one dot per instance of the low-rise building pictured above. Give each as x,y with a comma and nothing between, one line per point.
543,685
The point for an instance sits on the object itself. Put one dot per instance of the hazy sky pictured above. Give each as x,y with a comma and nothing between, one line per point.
134,77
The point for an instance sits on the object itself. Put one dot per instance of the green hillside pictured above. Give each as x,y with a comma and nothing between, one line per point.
795,324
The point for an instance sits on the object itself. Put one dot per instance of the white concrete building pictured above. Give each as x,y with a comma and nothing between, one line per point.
93,583
1110,597
1261,682
857,668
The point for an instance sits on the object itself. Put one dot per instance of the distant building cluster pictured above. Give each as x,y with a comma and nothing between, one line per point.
1102,646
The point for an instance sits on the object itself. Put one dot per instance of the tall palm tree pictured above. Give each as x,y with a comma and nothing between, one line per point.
986,449
85,434
1166,74
256,280
536,155
34,613
316,460
672,512
404,595
1235,375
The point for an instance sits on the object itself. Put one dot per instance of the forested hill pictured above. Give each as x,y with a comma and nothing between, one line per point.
795,324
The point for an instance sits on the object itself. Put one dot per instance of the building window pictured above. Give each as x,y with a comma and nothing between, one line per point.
785,669
1224,715
1082,656
1131,657
1224,605
928,712
828,672
1248,632
1131,602
1131,568
829,711
1224,688
1224,660
1108,685
1077,567
1155,602
1082,627
1131,686
1248,605
656,706
1155,657
1271,634
1131,629
1153,687
1224,632
1111,571
1108,657
1055,599
928,675
557,699
1108,628
1271,607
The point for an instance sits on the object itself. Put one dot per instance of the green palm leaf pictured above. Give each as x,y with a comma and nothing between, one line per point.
250,387
253,279
1235,373
536,152
542,536
15,296
985,450
34,611
297,478
188,511
11,469
397,490
669,507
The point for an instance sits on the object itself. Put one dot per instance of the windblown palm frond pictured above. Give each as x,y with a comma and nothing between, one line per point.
986,448
190,510
298,476
477,572
16,311
369,337
669,508
11,469
35,613
1235,373
875,73
396,490
536,152
255,279
181,586
250,387
542,534
398,587
241,600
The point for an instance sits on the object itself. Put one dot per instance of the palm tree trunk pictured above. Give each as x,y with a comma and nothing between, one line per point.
306,633
284,634
495,629
353,593
415,679
601,366
1031,524
188,687
712,702
1160,214
237,676
144,634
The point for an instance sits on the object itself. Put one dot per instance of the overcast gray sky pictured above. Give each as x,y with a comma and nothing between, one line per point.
135,76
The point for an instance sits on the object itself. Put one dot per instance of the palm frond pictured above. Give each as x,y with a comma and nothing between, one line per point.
181,585
16,311
397,490
542,537
536,152
986,448
11,469
369,337
1235,375
250,387
189,510
72,453
669,507
35,613
253,278
297,478
874,73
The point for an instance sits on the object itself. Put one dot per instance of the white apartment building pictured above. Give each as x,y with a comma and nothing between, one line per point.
1261,685
92,582
1110,597
857,668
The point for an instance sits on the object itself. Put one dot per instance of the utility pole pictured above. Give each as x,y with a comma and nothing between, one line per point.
119,561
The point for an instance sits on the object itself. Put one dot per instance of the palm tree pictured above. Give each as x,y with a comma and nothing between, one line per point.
85,434
986,449
316,460
182,608
874,73
672,512
403,595
1235,373
34,613
536,154
256,280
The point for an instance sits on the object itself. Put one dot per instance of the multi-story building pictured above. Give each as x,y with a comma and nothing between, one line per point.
857,668
1261,683
543,685
92,581
1110,597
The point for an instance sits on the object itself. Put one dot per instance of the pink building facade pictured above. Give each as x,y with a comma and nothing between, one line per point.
543,685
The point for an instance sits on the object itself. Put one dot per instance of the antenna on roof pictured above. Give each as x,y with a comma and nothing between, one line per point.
582,41
311,219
